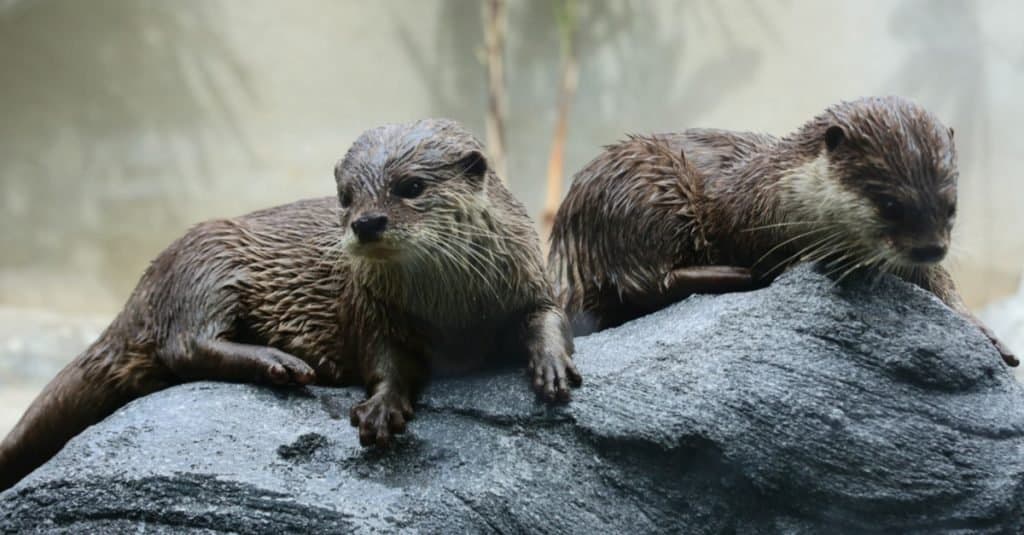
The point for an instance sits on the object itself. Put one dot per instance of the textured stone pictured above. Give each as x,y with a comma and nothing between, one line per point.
800,408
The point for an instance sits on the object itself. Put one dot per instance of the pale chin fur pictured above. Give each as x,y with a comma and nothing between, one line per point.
383,252
836,208
814,180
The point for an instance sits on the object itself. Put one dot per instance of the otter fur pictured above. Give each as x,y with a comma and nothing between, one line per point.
870,183
424,264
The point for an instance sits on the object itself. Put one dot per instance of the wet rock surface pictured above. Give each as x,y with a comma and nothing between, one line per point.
800,408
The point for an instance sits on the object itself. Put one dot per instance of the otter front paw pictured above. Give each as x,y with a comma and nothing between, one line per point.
380,417
1008,357
232,361
553,375
283,369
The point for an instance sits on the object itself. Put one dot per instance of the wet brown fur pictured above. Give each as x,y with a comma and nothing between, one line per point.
286,296
642,220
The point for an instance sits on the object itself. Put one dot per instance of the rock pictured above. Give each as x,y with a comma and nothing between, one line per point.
800,408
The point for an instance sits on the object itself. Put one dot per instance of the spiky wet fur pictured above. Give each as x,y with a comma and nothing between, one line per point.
467,290
651,204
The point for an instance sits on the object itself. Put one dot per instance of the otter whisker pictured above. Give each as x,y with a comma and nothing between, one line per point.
783,224
856,264
483,233
824,248
803,253
862,261
837,260
470,250
784,243
484,252
459,261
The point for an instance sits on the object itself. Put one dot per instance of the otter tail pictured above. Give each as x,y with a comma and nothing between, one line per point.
88,389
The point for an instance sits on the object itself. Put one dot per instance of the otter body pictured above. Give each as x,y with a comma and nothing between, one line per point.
868,183
423,265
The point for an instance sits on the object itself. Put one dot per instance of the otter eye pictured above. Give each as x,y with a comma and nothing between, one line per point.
409,188
952,211
833,137
345,199
890,209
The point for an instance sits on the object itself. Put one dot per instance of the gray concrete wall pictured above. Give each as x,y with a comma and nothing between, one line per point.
126,121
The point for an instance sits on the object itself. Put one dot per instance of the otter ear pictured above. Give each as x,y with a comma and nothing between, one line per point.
833,137
337,169
472,165
951,133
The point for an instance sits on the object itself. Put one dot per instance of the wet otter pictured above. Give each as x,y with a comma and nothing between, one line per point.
868,183
423,264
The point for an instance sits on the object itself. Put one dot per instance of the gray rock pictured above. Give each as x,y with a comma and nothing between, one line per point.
800,408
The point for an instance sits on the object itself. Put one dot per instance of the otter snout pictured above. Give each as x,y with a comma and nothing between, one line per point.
928,254
370,227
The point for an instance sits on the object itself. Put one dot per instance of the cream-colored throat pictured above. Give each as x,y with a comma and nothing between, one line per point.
813,193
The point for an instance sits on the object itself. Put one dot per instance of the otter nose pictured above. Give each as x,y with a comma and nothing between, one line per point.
369,227
928,253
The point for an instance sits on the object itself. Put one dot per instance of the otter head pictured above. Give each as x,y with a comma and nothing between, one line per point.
889,177
403,188
418,218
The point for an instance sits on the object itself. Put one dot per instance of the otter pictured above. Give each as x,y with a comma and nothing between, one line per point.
870,183
423,264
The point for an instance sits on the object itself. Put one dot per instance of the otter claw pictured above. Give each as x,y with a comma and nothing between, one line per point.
1008,357
286,369
554,377
379,418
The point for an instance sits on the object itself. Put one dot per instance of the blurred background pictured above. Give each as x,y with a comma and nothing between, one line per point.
123,122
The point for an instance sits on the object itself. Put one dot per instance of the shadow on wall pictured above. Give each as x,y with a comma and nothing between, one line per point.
455,78
629,56
63,146
947,33
88,139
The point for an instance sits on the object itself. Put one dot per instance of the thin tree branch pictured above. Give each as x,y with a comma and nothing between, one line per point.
494,32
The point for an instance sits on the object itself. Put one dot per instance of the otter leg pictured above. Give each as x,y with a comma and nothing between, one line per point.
392,381
222,360
1008,357
683,282
549,347
686,281
651,291
938,281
